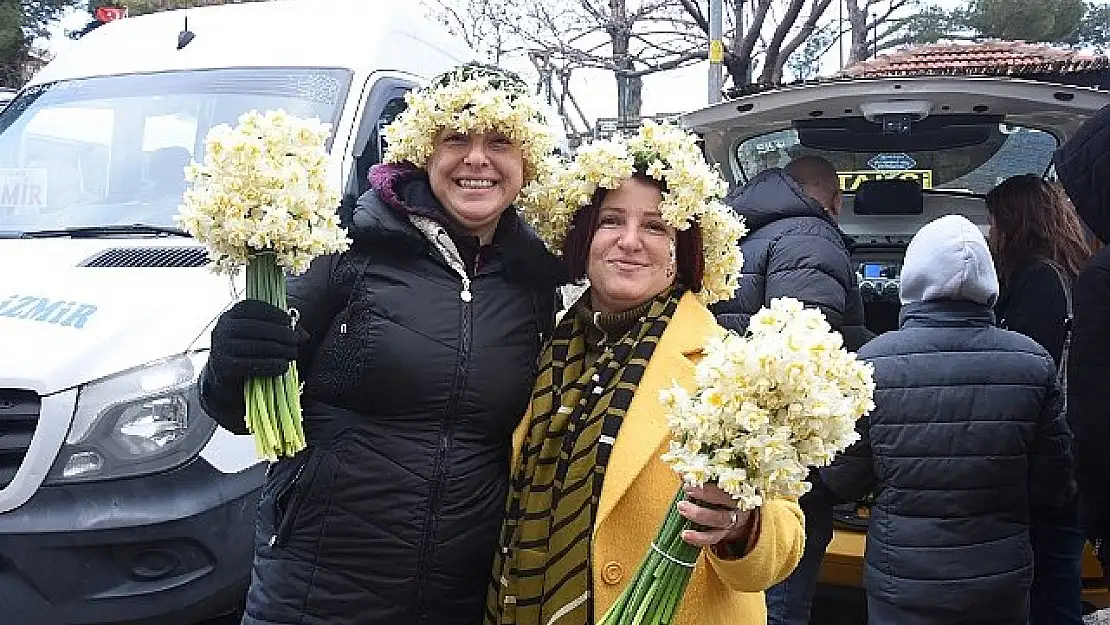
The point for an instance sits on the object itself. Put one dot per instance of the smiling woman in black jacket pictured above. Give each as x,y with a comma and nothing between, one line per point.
418,348
1039,246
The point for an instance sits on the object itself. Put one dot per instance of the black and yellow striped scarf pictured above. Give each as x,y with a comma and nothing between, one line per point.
541,574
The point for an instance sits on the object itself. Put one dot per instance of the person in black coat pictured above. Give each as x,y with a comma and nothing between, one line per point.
795,249
966,439
1039,246
1083,167
417,349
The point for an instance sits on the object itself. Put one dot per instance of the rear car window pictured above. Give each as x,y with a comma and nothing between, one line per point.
958,155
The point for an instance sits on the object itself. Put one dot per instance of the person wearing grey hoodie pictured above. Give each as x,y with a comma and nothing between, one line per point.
966,437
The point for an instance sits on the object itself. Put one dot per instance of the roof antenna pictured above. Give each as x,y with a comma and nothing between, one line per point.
185,36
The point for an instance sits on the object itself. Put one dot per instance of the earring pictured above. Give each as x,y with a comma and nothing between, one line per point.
674,261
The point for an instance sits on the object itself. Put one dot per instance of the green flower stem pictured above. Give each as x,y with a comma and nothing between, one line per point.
655,591
273,412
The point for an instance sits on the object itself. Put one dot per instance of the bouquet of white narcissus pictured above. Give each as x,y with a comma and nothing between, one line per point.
768,405
261,200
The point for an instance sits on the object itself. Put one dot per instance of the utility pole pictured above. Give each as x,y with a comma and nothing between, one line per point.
716,50
840,31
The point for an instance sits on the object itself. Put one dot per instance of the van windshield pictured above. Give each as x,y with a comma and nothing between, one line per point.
112,150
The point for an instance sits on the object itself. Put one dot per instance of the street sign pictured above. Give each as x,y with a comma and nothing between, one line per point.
606,127
110,14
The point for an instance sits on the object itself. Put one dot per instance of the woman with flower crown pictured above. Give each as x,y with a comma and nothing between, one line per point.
417,349
640,219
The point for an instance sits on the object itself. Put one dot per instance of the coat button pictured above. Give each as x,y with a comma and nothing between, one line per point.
612,573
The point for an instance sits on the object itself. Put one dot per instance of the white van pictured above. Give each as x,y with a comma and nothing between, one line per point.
120,500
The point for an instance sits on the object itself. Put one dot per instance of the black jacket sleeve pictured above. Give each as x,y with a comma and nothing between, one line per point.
313,296
851,474
1089,391
812,269
1051,484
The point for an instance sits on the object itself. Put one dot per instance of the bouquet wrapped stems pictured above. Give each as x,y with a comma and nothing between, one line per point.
273,404
653,594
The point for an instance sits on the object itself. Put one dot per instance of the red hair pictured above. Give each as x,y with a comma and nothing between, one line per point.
689,251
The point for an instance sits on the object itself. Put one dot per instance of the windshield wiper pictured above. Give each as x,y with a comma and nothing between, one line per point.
92,232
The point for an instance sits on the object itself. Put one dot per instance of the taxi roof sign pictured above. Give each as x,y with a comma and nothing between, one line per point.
851,180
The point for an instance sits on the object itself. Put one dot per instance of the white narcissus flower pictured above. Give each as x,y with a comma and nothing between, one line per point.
767,406
693,191
263,188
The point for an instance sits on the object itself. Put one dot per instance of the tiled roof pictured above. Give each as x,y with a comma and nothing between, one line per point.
1009,58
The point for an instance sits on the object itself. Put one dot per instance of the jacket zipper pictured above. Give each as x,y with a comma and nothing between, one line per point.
447,248
284,524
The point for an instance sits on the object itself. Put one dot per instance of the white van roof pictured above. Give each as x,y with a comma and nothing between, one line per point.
355,34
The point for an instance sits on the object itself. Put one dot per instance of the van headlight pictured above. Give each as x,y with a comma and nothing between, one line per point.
138,422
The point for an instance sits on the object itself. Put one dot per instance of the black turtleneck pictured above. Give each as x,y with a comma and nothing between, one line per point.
604,329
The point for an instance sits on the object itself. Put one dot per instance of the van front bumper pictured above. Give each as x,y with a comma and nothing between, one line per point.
169,548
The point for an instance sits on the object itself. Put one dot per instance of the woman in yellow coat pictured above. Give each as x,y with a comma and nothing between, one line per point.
589,490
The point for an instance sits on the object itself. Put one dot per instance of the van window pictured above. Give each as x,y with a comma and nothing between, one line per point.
113,150
380,112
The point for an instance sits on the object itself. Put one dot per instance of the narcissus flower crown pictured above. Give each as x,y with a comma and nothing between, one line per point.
692,195
472,98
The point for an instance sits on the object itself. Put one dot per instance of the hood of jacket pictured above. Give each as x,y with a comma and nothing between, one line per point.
773,195
1083,168
948,259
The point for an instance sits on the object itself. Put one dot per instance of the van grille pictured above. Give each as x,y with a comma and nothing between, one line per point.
150,257
19,414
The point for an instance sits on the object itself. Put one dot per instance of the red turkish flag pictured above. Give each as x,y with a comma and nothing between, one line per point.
109,14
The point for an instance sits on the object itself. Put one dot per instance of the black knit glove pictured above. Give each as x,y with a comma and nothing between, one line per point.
252,339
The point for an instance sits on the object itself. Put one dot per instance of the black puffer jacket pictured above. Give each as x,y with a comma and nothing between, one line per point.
966,436
1083,165
793,249
410,399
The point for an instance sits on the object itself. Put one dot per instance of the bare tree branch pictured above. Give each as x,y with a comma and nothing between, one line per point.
807,28
694,11
770,61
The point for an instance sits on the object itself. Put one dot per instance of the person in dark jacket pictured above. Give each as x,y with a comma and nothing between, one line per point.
795,249
418,349
967,438
1083,167
1039,246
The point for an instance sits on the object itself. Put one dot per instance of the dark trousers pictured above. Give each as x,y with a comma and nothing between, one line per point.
883,613
789,601
1056,595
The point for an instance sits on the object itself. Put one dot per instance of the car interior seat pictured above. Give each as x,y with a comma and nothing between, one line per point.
890,197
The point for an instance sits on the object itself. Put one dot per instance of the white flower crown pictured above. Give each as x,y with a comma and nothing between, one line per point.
668,154
472,98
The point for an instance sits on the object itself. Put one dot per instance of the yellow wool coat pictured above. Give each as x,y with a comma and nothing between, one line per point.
639,488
